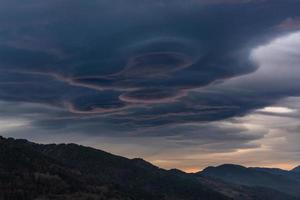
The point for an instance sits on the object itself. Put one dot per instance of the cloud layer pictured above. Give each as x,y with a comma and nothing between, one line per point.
174,71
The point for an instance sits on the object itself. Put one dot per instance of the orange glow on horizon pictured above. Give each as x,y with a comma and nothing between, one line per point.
284,166
192,170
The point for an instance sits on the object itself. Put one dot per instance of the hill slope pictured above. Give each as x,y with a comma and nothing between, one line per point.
32,171
69,171
296,169
280,180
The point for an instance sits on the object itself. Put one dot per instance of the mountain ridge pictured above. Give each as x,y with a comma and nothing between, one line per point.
276,179
71,171
296,169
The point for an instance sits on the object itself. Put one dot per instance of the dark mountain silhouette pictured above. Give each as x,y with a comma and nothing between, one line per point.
275,179
242,192
296,169
30,171
276,171
293,174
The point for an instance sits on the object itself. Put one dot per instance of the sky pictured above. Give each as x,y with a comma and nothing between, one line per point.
181,83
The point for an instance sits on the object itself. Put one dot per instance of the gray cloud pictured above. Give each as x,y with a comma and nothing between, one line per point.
174,71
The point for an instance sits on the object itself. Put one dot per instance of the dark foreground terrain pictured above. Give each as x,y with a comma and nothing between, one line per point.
30,171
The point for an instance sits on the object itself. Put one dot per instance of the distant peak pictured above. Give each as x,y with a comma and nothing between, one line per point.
226,166
296,169
232,165
176,171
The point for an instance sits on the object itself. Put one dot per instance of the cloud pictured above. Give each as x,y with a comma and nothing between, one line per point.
174,71
193,51
279,110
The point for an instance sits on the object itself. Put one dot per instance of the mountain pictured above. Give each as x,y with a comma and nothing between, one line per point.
242,192
274,179
293,174
69,171
276,171
30,171
296,169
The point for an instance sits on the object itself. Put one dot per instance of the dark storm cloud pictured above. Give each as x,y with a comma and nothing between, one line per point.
119,66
